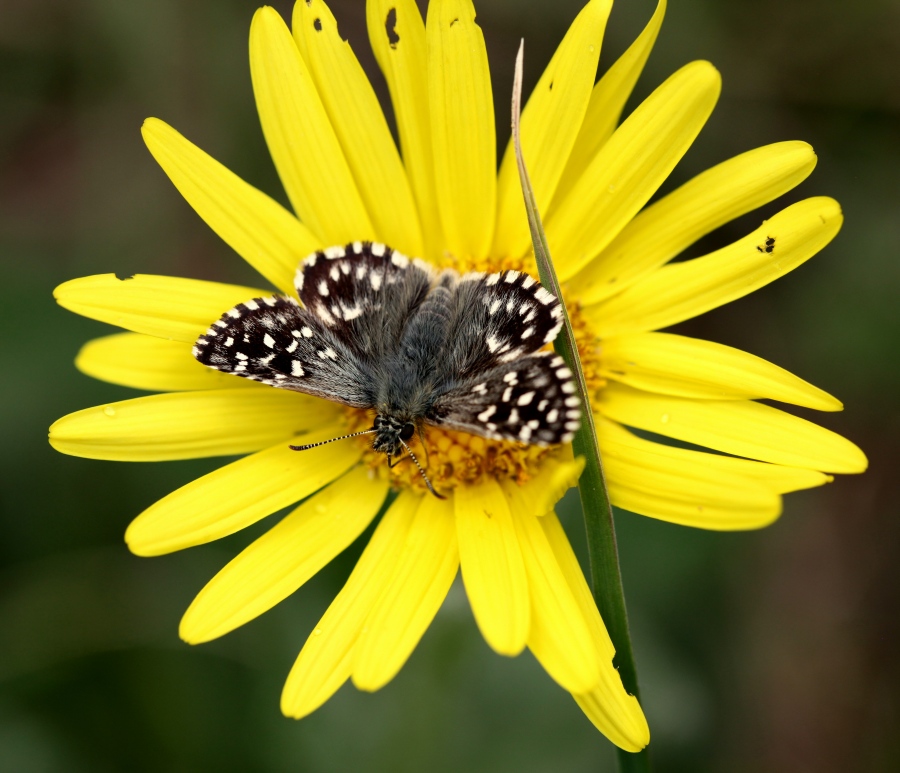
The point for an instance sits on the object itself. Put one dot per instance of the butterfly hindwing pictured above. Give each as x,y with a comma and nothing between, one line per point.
364,293
275,341
531,400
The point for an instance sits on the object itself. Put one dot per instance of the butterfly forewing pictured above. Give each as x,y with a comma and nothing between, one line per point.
531,400
501,317
275,341
364,294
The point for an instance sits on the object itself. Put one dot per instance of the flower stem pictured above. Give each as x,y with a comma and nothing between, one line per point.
606,579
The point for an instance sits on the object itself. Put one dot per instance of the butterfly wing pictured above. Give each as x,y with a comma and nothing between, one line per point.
277,342
499,318
364,293
531,400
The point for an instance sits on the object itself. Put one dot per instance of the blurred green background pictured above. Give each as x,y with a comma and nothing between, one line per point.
773,650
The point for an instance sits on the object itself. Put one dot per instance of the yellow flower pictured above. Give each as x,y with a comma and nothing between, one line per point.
443,200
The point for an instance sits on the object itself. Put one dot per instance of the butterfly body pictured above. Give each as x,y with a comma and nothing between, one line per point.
377,330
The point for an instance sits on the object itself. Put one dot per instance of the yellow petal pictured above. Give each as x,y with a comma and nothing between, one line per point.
683,461
654,500
300,137
688,367
554,478
608,100
162,306
255,226
144,362
613,711
360,126
627,729
698,207
630,167
423,573
742,428
285,557
189,425
492,567
462,127
680,490
550,123
239,494
325,662
680,291
397,35
559,635
571,570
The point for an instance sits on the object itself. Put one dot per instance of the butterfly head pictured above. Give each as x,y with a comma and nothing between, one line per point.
391,433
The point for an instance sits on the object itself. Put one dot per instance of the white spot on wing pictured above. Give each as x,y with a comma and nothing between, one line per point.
525,399
296,368
543,296
378,249
269,341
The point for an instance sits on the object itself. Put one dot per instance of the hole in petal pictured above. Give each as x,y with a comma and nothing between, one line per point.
390,27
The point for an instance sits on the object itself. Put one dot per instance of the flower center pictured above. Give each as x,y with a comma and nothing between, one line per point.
454,458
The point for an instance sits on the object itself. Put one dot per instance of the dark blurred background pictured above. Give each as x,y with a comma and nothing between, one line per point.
763,651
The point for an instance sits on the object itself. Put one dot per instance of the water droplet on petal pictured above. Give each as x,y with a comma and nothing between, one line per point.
317,632
664,418
109,410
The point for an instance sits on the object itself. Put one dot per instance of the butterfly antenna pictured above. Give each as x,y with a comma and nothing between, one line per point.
424,476
325,442
424,447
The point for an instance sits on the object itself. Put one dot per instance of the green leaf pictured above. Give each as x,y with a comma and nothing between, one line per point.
606,579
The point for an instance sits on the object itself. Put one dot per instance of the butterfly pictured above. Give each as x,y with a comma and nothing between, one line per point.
375,329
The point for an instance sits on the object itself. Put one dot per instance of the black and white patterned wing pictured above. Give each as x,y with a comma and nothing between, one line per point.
277,342
364,293
500,318
531,400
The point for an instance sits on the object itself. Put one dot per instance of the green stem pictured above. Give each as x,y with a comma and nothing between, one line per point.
606,579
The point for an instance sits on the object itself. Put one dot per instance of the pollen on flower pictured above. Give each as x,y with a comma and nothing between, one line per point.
453,458
590,350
